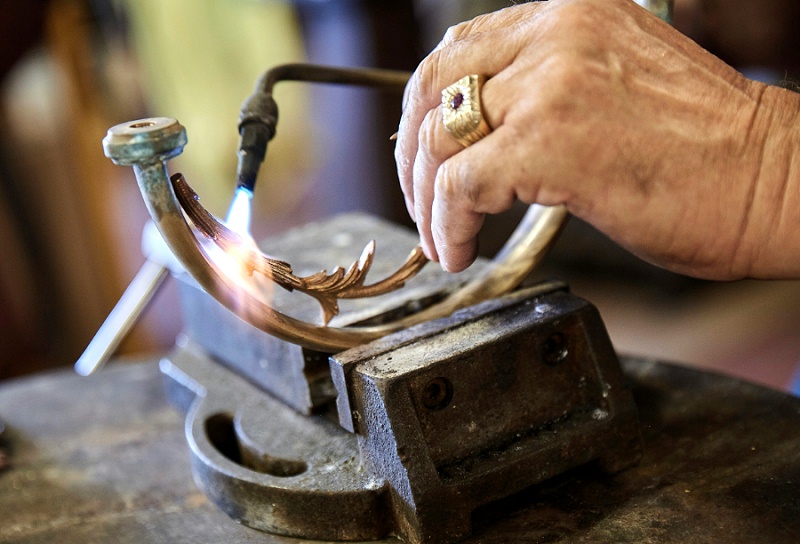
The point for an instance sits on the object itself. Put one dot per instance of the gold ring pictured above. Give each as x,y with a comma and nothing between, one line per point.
461,110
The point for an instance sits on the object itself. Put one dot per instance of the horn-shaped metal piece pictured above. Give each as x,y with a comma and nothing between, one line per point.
149,143
326,287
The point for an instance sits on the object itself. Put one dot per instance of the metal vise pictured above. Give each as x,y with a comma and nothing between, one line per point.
406,435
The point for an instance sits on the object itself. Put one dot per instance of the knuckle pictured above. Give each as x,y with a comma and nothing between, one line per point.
565,76
428,75
579,13
421,89
465,29
569,20
454,33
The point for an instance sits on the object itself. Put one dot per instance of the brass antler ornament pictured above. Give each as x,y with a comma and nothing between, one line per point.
326,287
148,143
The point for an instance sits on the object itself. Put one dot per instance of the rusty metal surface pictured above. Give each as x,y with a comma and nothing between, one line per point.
266,465
459,412
534,387
104,460
275,471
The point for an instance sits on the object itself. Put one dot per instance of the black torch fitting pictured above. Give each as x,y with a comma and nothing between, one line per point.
259,114
257,122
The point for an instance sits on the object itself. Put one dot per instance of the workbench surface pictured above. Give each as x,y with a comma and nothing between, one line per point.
103,459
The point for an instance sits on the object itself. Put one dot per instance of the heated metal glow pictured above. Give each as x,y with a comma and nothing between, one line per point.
231,262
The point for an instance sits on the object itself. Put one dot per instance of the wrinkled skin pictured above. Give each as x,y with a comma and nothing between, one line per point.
602,107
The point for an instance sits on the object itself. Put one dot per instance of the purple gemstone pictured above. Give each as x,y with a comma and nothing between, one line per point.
457,100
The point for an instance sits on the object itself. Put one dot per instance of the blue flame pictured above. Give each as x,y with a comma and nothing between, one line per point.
239,213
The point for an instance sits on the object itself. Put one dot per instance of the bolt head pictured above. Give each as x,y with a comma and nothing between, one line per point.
144,141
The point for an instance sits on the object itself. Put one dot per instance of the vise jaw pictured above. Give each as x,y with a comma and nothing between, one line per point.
463,411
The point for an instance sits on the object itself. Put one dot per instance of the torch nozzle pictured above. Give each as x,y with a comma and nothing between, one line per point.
247,171
254,137
257,121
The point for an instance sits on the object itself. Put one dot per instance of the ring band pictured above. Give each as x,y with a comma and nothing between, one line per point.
461,110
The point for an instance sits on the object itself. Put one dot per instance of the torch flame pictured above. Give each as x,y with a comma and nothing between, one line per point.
239,213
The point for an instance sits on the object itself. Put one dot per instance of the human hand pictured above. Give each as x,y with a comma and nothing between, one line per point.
602,107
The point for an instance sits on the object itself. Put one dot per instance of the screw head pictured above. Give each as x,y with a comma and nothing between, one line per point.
437,393
555,348
144,141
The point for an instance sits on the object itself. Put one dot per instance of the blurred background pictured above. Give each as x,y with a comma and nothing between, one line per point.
71,222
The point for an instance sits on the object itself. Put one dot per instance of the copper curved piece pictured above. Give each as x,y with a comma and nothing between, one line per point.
326,288
149,143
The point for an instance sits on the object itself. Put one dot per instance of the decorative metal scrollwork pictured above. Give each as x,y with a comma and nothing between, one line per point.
327,288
